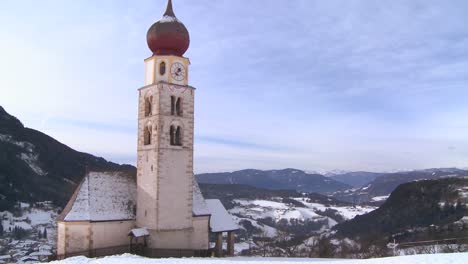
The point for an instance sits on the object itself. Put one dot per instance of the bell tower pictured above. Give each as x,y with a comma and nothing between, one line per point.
165,137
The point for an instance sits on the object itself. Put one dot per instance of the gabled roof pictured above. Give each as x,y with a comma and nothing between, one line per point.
111,196
221,220
103,196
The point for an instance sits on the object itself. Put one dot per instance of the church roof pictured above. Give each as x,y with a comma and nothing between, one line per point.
199,204
111,196
221,220
103,196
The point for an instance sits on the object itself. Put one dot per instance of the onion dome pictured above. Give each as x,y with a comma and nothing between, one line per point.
168,36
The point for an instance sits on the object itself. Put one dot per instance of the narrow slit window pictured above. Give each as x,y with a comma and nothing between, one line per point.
147,136
148,106
162,68
173,105
179,106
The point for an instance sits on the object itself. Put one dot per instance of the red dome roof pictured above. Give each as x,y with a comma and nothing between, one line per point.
168,36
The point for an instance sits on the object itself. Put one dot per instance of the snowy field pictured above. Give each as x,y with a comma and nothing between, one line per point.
256,209
253,210
453,258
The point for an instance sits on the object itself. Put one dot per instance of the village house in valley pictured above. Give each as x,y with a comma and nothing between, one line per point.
161,212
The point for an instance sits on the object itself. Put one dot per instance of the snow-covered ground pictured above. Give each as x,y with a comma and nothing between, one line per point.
453,258
257,211
253,210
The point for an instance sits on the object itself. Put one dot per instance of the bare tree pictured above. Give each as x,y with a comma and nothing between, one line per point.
262,242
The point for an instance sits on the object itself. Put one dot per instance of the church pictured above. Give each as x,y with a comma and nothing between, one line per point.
160,212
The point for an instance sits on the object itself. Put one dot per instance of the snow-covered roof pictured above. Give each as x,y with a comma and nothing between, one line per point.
139,232
104,196
221,220
108,196
199,205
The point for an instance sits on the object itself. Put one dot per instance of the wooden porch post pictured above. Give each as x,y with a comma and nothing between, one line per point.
219,245
230,243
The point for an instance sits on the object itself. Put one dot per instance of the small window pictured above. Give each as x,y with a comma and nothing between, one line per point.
147,136
148,106
173,107
179,107
162,68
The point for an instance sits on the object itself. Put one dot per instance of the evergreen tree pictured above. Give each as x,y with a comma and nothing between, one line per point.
19,233
1,228
44,234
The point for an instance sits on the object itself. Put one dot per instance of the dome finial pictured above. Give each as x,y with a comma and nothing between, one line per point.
169,10
168,36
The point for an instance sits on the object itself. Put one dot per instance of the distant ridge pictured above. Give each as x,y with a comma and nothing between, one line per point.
291,179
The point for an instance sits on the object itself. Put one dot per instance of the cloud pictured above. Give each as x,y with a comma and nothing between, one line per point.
306,84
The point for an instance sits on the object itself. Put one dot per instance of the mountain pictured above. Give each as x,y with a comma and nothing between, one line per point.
35,167
291,179
383,185
411,208
357,178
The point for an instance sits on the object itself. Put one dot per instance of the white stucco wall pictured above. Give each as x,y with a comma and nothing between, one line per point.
73,237
111,234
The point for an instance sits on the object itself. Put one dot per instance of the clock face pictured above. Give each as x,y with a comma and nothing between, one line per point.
178,71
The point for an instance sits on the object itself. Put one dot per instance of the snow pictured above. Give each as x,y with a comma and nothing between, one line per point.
276,210
139,232
41,253
104,196
23,225
348,212
239,247
452,258
199,204
256,209
28,157
32,161
380,198
168,19
40,216
266,230
220,220
22,144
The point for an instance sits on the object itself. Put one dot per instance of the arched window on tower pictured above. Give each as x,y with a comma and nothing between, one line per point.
173,108
175,136
162,68
147,136
179,106
178,137
148,105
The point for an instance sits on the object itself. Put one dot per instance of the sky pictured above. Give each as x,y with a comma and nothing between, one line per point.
306,84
